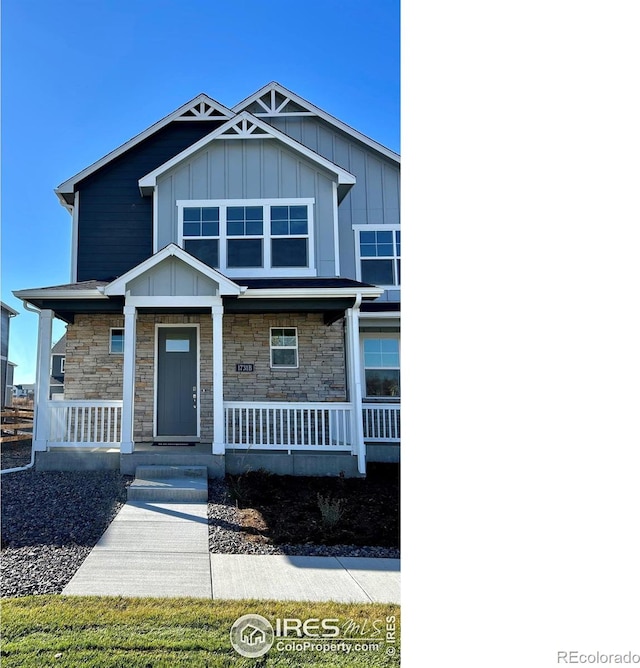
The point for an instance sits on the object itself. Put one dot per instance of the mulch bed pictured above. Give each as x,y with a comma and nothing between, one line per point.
289,509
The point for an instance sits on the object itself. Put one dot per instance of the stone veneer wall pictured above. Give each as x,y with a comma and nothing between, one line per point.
320,376
92,373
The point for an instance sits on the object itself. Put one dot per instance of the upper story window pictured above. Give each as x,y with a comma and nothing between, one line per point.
201,233
250,237
378,254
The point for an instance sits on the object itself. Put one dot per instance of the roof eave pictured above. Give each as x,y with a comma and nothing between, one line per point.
44,293
317,293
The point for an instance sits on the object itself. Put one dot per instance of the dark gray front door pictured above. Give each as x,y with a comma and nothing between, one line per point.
177,407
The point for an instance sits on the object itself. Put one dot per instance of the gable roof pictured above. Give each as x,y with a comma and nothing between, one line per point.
9,310
60,347
276,100
246,126
271,100
119,286
200,108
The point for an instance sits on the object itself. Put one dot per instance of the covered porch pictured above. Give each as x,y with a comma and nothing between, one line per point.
266,411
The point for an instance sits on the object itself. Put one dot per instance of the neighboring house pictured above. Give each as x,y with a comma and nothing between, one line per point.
56,383
25,390
235,284
6,367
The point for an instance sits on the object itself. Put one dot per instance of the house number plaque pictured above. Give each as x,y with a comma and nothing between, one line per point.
244,367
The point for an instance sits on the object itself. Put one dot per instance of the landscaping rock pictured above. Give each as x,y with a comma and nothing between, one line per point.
50,523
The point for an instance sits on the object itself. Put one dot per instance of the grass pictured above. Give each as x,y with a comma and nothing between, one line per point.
110,632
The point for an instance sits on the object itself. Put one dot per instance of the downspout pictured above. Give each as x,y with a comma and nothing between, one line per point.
356,390
33,452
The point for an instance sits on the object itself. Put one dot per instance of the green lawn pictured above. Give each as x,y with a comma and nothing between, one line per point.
104,632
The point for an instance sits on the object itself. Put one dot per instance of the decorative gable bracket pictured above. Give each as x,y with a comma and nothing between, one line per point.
203,111
274,103
244,129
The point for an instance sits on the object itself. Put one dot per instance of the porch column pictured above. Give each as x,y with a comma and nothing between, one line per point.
355,376
128,379
218,393
43,375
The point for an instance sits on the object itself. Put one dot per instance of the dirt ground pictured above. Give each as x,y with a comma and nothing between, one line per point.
324,511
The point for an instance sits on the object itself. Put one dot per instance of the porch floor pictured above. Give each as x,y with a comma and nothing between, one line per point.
197,449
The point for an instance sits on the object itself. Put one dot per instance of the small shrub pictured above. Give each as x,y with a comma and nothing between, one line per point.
331,510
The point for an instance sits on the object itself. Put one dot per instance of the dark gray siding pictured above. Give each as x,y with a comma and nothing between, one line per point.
56,366
115,224
4,333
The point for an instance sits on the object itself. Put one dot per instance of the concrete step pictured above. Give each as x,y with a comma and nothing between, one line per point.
169,483
170,471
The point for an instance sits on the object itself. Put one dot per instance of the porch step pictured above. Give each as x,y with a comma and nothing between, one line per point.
169,483
170,471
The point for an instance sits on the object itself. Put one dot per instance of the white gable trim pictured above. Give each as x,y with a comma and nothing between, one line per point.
119,286
243,126
202,107
273,109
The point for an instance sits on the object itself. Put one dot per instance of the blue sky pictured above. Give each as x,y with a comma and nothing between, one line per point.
79,78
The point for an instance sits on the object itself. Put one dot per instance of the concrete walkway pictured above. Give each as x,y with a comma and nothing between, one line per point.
162,549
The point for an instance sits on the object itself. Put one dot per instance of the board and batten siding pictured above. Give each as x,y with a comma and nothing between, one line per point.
249,169
115,222
173,278
373,200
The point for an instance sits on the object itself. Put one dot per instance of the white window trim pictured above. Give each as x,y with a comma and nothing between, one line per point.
111,330
266,269
378,335
374,228
272,348
62,365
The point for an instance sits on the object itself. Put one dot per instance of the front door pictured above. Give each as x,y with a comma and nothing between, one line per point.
177,389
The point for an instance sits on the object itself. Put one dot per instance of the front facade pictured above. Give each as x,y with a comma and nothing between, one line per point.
234,295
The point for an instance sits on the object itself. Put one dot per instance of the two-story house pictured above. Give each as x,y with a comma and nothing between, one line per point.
234,297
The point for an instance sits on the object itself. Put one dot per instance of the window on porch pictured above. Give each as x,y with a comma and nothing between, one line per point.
381,364
284,347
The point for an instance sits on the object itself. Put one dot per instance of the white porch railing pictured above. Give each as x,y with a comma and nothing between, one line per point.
85,423
287,425
381,422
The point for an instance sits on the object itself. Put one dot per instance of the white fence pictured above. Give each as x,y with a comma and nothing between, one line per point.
85,423
381,422
288,425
